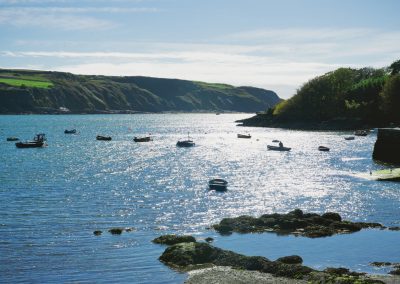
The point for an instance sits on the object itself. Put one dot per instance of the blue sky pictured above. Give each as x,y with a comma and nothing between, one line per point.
276,45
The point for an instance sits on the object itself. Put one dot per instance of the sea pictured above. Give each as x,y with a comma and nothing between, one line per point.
53,198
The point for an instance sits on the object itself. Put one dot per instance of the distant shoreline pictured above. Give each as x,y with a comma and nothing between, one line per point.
338,124
128,112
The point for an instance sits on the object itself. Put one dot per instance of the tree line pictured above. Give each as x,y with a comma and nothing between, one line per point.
367,94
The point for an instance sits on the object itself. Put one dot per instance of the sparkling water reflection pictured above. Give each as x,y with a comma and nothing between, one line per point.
52,199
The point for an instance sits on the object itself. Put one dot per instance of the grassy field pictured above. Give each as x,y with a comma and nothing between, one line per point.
18,82
214,85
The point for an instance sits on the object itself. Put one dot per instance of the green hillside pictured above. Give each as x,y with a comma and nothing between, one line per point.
344,98
26,91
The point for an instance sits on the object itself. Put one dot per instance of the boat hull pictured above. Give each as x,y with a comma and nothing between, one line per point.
244,136
185,144
29,144
103,138
142,139
218,184
277,148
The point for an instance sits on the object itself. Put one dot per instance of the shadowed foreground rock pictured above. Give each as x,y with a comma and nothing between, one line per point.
194,255
295,222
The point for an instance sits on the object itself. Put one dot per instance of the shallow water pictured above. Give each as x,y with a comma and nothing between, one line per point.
52,199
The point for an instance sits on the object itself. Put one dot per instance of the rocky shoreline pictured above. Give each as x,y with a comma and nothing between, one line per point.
338,124
216,265
296,222
206,263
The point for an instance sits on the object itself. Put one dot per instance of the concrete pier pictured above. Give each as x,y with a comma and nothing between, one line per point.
387,145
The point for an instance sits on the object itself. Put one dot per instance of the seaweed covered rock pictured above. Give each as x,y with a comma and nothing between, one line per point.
295,222
194,255
395,271
173,239
116,231
291,259
188,254
332,216
340,271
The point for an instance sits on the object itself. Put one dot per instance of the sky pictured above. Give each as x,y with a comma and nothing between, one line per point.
273,44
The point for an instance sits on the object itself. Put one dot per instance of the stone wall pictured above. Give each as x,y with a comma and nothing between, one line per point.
387,145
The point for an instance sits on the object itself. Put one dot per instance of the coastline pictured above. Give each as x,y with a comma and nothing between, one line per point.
338,124
224,274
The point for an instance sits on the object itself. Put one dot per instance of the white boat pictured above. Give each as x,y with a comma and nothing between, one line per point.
218,184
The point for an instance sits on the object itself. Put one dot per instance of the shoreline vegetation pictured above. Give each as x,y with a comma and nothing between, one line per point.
344,99
209,264
45,92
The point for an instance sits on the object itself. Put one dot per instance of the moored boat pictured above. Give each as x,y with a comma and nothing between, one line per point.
185,143
323,149
218,184
278,148
103,138
72,131
12,138
37,142
349,138
244,136
142,139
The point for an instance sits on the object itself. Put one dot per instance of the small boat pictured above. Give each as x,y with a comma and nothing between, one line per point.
349,138
361,133
142,139
244,136
38,141
218,184
103,138
185,143
72,131
323,149
12,138
278,148
275,141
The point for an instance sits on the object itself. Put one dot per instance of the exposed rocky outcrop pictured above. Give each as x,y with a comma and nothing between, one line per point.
173,239
194,255
295,222
395,265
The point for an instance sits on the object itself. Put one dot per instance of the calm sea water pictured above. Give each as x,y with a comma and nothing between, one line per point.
52,199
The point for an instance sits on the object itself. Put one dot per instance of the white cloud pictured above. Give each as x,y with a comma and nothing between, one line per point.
65,18
24,18
77,10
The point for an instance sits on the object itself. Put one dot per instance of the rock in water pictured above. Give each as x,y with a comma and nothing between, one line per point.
173,239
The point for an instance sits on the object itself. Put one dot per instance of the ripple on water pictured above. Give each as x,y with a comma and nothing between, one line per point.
54,198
